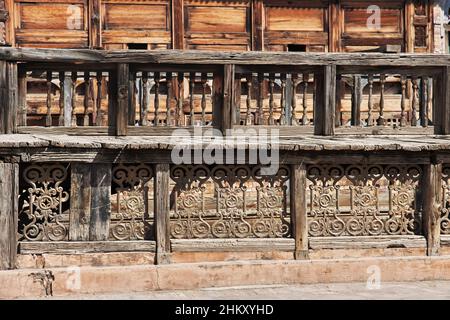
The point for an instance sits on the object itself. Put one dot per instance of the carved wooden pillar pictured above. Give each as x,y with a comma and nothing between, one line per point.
299,221
8,96
9,195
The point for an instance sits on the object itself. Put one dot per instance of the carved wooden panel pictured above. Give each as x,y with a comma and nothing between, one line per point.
4,16
358,200
44,202
228,202
129,24
445,205
44,23
132,204
217,25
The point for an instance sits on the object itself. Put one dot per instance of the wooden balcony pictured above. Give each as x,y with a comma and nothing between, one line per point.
88,138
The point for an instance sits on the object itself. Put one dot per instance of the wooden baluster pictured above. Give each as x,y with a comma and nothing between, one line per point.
271,100
415,86
168,97
370,104
157,83
295,82
48,119
87,92
180,113
61,99
259,117
381,121
429,100
132,100
204,87
423,102
145,97
305,120
248,117
191,98
99,116
283,100
356,101
74,98
403,102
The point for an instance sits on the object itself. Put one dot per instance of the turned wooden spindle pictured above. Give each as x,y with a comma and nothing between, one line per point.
305,119
248,116
74,98
370,103
204,87
156,78
415,87
61,99
145,99
271,98
180,113
99,116
87,96
48,118
403,102
191,98
168,97
381,121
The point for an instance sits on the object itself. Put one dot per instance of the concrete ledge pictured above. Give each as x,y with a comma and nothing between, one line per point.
127,279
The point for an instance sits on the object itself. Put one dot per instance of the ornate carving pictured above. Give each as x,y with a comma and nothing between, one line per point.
41,217
132,219
346,201
242,203
445,208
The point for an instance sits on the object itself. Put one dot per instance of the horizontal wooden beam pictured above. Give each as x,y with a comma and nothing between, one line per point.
234,245
212,57
367,242
81,247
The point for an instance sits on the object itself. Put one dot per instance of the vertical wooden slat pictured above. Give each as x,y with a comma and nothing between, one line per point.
100,202
22,98
293,116
356,101
8,97
271,98
381,121
112,102
80,202
99,116
431,193
180,113
168,97
248,116
441,101
223,98
305,120
48,118
144,101
9,208
87,97
299,218
325,101
403,102
157,84
340,93
123,78
283,100
191,98
334,24
162,211
259,116
74,98
132,99
62,79
203,103
95,34
423,102
415,87
177,24
258,25
370,103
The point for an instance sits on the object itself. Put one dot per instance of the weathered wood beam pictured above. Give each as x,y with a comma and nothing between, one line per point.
95,30
100,202
325,101
162,211
431,190
9,196
299,219
177,24
82,247
441,101
80,202
8,97
123,82
223,98
258,25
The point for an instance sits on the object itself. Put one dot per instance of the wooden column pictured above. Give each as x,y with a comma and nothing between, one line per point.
8,96
299,221
22,98
325,101
177,24
223,98
334,26
258,25
356,101
4,17
441,97
431,201
95,30
162,210
112,103
9,196
123,79
90,204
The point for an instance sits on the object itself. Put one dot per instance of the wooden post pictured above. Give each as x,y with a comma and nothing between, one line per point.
100,182
8,97
223,98
325,101
431,201
258,25
95,35
9,195
334,26
299,219
112,103
4,17
80,202
356,101
178,24
22,98
123,82
441,101
162,211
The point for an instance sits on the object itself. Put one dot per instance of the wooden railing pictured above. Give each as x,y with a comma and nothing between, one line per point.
144,92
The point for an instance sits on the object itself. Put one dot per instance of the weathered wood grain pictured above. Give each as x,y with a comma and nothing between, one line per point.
232,245
83,247
432,192
367,242
298,210
100,202
80,202
162,210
